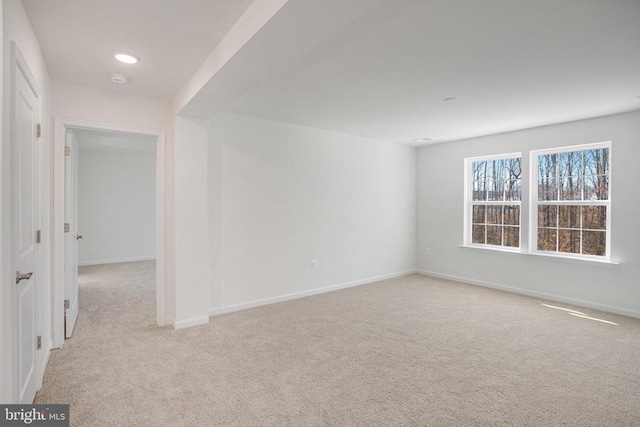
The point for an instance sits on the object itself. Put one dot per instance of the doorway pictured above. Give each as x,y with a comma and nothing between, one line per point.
102,231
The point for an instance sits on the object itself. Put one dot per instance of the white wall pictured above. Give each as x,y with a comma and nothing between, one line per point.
79,102
440,218
16,27
116,206
282,195
190,210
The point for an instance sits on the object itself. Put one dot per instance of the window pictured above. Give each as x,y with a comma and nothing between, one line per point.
571,203
494,189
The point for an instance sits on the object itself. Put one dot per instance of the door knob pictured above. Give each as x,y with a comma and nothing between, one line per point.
78,236
22,276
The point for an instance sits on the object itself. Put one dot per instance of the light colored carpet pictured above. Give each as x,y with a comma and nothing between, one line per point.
408,351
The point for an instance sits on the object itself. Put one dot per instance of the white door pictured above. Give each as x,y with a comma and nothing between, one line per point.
71,234
23,224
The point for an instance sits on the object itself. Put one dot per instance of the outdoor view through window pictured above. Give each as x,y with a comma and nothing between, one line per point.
573,201
569,204
495,201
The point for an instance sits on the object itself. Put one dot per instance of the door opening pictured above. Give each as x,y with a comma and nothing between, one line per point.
77,136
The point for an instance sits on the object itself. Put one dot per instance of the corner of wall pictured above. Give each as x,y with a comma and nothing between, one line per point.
191,284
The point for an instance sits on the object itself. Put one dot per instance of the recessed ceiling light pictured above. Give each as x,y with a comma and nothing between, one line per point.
119,78
424,139
126,58
451,98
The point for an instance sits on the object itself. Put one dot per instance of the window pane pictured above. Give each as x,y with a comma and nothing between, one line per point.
594,242
571,188
547,239
496,190
548,165
494,214
548,188
478,169
488,169
479,190
596,187
512,236
548,177
569,217
569,241
514,168
479,215
497,169
478,234
512,215
513,189
596,162
494,235
547,216
594,217
570,164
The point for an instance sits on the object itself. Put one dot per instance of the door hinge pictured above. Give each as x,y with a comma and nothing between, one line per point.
39,130
67,227
67,306
67,150
39,342
39,236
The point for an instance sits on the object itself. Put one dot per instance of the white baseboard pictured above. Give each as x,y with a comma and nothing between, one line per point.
573,301
115,261
302,294
45,363
188,323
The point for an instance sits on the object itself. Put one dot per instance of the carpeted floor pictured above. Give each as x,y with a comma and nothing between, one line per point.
412,351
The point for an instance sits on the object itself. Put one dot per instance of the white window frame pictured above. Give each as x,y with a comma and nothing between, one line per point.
534,202
469,203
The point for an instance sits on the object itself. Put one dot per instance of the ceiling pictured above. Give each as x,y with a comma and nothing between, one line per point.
379,69
172,39
94,140
384,72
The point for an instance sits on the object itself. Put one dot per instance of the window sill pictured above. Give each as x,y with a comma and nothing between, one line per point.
559,258
573,258
492,249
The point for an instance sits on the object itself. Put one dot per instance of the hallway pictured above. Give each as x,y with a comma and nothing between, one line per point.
117,308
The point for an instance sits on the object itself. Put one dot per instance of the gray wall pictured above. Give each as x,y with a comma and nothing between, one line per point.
116,206
441,207
282,195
